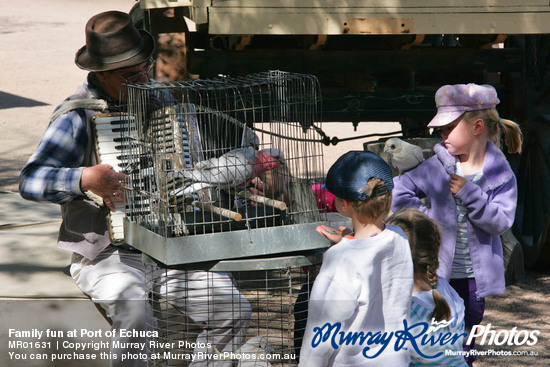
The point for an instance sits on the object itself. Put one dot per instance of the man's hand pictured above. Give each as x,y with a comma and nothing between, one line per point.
102,180
457,182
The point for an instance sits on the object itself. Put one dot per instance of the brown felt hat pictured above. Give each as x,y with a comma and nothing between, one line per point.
113,42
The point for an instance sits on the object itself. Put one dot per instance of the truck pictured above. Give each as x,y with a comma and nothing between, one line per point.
383,60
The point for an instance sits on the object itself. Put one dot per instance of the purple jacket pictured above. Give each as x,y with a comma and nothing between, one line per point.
491,205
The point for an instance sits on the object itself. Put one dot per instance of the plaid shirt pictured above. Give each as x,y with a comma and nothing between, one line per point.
53,171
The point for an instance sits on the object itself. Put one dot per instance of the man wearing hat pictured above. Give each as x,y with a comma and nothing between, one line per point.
366,280
64,166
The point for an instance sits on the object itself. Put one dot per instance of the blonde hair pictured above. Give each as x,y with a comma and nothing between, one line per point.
496,126
374,207
424,239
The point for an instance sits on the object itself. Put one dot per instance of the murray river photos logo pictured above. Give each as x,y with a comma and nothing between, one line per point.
419,336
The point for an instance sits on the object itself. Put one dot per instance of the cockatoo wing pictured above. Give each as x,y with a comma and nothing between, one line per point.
207,163
418,154
232,168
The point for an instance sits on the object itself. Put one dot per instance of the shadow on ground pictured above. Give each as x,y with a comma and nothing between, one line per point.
9,174
8,100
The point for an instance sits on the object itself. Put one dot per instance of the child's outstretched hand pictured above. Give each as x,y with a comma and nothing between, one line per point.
333,235
457,182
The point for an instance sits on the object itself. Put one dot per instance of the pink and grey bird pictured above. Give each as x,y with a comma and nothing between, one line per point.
235,168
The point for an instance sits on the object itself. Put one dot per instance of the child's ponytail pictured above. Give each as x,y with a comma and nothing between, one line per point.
424,239
442,311
496,126
513,138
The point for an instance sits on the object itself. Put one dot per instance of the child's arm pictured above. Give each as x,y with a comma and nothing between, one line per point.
330,303
494,213
407,194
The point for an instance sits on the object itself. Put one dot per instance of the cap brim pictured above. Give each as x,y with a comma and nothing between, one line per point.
444,118
83,61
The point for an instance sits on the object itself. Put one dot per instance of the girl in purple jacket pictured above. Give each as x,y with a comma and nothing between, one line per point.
470,191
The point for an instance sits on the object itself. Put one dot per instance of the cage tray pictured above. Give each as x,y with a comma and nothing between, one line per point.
225,245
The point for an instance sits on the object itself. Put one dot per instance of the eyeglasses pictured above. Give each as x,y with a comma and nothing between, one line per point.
132,77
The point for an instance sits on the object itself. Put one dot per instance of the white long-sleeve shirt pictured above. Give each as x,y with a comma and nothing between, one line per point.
365,285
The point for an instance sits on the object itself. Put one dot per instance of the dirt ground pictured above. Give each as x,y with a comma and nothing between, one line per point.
38,40
525,306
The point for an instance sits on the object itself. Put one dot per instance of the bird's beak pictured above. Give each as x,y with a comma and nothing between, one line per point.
386,148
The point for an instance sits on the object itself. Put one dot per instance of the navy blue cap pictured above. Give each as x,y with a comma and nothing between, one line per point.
348,176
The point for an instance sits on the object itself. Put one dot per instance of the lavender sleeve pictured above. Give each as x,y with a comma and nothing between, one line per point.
407,194
492,211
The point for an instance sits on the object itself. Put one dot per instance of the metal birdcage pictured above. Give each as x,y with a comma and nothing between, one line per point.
221,204
239,313
223,168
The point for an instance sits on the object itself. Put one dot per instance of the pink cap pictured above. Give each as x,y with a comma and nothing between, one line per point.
453,100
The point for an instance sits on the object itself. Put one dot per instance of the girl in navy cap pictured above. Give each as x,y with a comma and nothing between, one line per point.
365,282
472,192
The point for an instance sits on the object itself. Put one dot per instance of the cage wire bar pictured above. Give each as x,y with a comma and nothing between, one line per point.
220,202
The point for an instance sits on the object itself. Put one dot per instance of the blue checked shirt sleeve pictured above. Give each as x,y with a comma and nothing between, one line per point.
53,172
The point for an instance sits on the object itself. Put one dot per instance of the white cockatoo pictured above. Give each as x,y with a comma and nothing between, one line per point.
404,156
235,168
